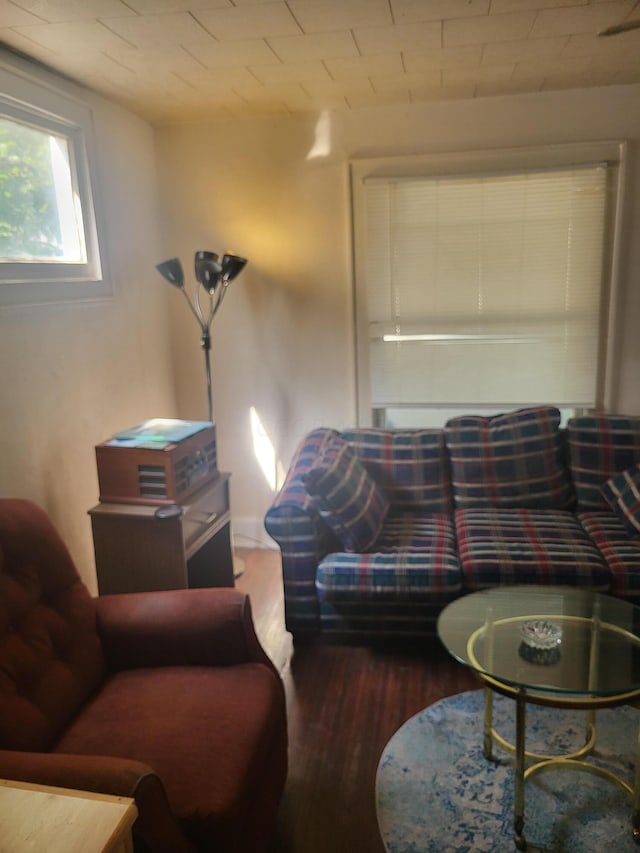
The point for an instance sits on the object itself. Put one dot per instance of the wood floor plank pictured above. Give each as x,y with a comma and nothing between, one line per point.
344,703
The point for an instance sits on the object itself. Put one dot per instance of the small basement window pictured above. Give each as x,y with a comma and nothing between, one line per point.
41,215
48,234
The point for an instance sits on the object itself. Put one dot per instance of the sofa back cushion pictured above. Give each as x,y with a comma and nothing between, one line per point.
410,465
346,495
601,446
512,460
51,658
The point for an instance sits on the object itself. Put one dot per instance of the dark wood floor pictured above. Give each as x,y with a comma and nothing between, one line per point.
344,703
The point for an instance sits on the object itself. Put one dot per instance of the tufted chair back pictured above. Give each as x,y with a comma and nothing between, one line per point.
51,657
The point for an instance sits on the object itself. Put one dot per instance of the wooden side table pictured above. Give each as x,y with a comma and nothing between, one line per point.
137,550
39,818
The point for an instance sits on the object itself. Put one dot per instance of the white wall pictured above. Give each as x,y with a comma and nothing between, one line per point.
75,373
283,340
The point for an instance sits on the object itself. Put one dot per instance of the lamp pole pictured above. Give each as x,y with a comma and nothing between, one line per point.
205,343
212,278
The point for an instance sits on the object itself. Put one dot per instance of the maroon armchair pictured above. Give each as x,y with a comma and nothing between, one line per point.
166,697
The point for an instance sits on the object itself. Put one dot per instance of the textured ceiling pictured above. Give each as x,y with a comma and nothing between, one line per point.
179,59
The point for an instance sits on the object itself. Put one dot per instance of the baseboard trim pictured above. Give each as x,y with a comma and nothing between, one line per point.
249,532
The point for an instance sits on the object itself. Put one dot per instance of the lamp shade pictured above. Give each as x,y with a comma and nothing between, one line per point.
232,265
172,271
207,270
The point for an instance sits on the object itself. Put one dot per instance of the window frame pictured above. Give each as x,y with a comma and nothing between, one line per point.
485,162
36,97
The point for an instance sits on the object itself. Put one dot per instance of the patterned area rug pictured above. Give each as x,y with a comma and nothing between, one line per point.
437,793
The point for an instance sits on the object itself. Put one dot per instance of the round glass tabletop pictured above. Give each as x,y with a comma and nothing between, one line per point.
559,640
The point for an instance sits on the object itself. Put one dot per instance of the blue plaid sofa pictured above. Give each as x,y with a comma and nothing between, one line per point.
379,529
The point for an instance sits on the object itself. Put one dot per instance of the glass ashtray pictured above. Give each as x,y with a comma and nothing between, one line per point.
541,641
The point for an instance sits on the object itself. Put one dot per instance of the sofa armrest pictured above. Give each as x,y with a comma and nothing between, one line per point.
303,536
102,774
185,627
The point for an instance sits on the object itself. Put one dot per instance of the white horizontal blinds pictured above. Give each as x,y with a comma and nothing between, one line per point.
498,280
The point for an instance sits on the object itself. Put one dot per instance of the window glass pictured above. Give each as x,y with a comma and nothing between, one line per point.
40,215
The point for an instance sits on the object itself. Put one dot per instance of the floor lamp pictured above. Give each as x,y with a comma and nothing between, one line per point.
212,278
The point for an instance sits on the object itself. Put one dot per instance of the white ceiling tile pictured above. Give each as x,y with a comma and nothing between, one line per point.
103,65
146,63
300,72
157,30
408,82
283,55
555,67
365,66
338,88
316,16
624,77
609,63
208,82
314,46
399,38
12,16
14,39
515,51
500,6
265,21
488,28
215,54
426,92
253,88
58,11
260,98
484,74
447,57
156,7
394,87
574,80
581,19
74,37
405,11
451,92
587,44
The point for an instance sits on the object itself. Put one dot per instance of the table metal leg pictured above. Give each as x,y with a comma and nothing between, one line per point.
518,798
487,740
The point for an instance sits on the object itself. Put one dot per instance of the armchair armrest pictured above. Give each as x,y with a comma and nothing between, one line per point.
121,777
185,627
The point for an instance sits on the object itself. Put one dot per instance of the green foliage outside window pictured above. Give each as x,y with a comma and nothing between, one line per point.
29,220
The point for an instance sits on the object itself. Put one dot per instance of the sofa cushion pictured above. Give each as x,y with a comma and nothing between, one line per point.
621,551
410,465
511,460
414,559
601,446
346,495
527,546
622,493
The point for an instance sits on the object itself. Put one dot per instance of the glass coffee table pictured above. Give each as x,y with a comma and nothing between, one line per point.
555,646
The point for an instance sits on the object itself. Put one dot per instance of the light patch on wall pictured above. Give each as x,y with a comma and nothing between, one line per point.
265,453
322,142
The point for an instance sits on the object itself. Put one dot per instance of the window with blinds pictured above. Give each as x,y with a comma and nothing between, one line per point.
483,291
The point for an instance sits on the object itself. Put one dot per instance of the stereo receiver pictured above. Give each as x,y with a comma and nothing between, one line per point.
161,461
